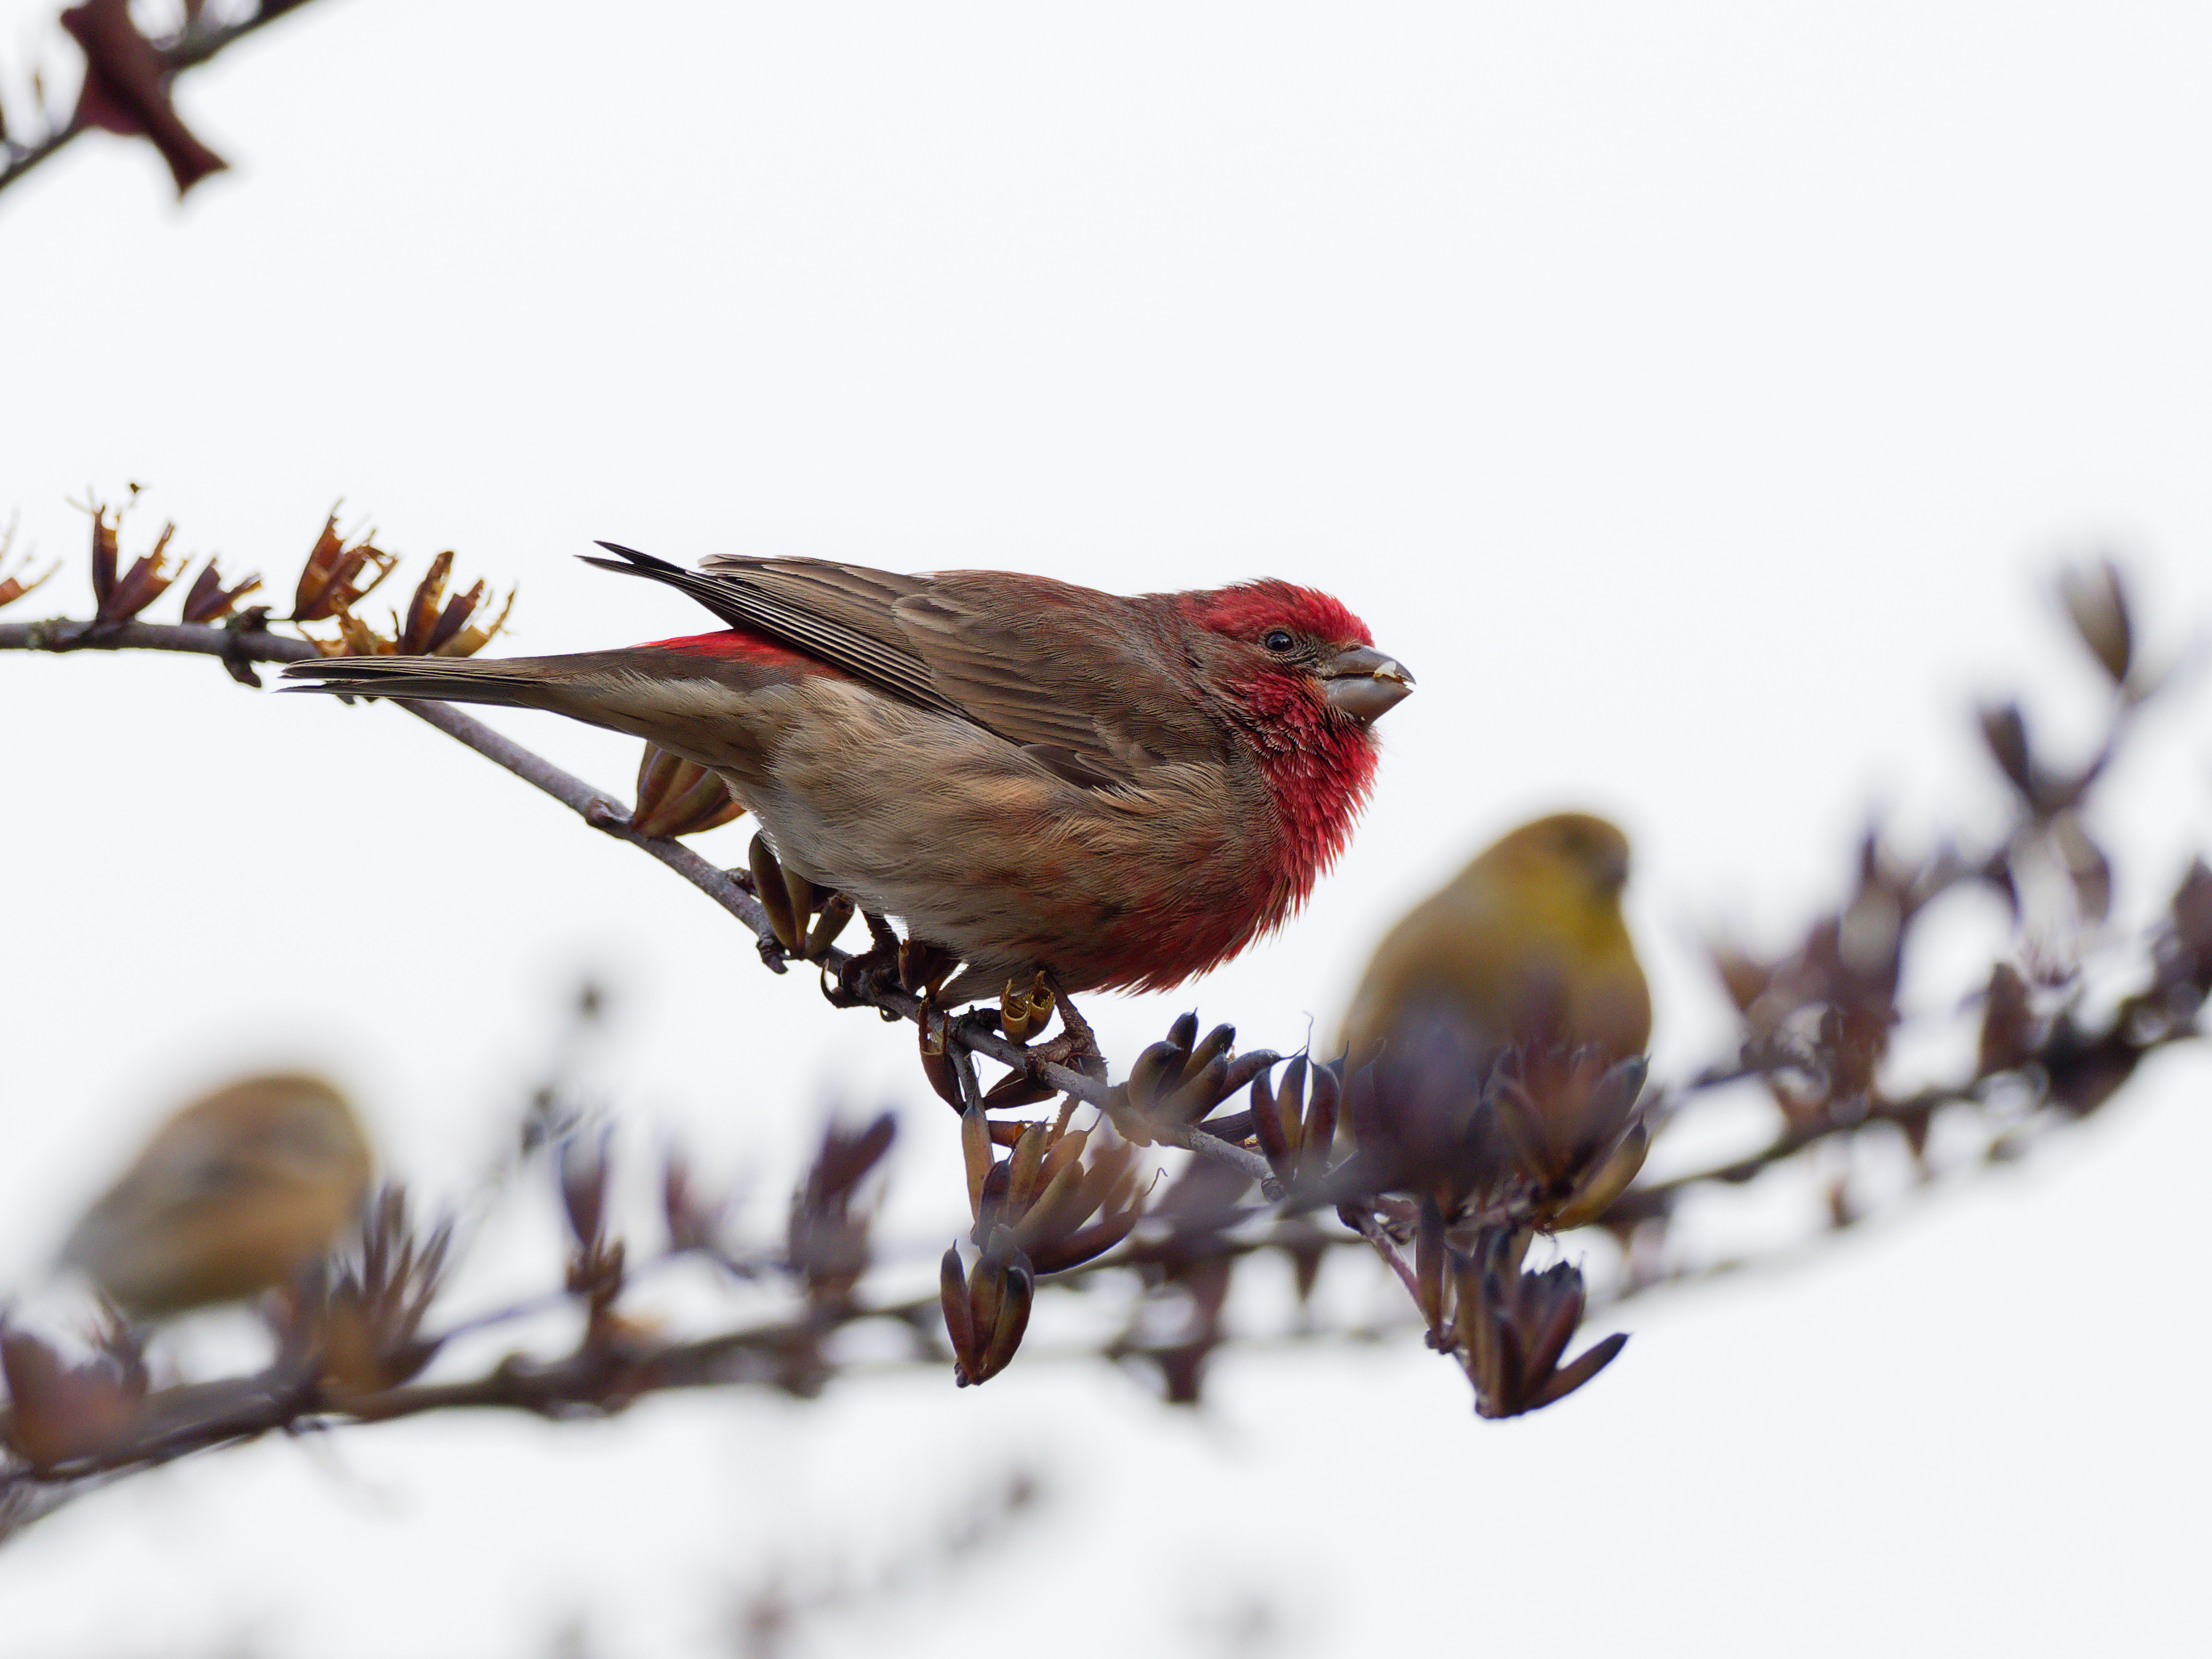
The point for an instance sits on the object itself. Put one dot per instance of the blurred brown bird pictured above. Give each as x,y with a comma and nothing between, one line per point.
233,1195
1525,945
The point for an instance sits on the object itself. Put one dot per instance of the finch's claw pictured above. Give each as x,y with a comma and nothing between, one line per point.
1077,1054
923,966
874,970
976,1021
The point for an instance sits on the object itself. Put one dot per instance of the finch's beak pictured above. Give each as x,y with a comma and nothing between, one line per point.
1365,684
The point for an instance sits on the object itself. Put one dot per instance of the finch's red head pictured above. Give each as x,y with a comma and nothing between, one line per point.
1248,610
1294,654
1304,682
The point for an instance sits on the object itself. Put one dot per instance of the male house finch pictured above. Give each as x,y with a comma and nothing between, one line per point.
1525,945
234,1194
1118,791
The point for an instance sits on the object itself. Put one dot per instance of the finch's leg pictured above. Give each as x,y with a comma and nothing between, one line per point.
877,965
880,937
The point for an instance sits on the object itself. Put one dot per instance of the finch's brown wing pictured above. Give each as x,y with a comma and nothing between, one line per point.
1084,687
1094,705
840,613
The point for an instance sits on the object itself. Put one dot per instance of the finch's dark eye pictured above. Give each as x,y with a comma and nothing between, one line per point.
1279,640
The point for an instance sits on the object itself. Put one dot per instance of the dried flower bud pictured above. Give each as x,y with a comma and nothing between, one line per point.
774,894
1606,1181
1511,1328
2184,952
976,1155
418,630
330,583
694,1223
125,89
1180,1080
1024,1013
2004,728
58,1412
2009,1029
1015,1089
2096,603
937,1064
365,1329
1564,1113
959,1321
1056,1205
1159,1065
1429,1253
452,638
826,1241
584,1174
835,916
1744,979
676,796
1422,1120
986,1315
2087,866
1297,1135
13,588
147,580
356,639
208,600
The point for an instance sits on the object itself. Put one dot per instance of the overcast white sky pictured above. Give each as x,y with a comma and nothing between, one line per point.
1698,397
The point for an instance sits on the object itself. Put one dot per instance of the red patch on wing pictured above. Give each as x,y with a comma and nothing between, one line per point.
744,645
1250,608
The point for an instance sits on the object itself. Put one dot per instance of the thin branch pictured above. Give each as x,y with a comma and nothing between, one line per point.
1197,1139
1370,1228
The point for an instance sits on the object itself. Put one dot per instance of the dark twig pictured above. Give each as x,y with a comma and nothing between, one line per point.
1369,1227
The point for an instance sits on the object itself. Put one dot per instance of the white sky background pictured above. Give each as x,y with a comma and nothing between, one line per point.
1698,398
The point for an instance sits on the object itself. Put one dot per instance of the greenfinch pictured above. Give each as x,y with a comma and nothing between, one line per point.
232,1196
1527,944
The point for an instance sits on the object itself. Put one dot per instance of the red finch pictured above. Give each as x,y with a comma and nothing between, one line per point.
232,1196
1526,943
1118,791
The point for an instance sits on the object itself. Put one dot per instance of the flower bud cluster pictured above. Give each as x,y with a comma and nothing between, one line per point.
1059,1197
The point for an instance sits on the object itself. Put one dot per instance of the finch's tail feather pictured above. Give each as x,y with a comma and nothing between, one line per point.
692,705
515,682
709,591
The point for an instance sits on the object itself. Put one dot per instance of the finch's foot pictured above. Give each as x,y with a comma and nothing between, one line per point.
875,970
